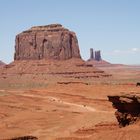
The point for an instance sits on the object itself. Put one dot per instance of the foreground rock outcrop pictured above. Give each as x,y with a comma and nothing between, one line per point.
47,42
128,108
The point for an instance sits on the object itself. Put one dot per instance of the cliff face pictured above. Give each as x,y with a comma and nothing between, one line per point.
128,108
47,42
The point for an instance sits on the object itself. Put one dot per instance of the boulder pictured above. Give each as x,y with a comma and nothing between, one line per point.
46,42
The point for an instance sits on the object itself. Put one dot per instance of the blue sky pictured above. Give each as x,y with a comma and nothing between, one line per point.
113,26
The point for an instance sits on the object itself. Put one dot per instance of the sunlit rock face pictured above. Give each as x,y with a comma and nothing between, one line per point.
47,42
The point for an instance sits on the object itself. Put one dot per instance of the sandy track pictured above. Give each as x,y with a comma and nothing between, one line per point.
76,107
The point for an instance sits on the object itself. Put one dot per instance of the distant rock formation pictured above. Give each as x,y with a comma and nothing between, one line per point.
46,42
95,55
98,56
96,59
92,54
128,108
2,63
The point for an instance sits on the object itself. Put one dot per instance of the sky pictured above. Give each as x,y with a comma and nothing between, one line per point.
112,26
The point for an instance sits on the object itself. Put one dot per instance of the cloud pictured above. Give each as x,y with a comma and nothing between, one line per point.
128,51
135,49
116,51
123,52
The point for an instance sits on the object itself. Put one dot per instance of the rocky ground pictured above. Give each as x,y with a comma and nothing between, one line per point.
64,104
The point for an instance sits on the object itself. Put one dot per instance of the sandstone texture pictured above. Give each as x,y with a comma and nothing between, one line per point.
46,42
128,108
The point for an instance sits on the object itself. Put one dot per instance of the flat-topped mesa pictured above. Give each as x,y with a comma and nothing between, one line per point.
52,27
48,26
47,42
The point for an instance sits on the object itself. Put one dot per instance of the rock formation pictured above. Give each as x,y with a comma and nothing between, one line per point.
91,54
24,138
2,63
95,55
128,108
98,55
96,59
46,42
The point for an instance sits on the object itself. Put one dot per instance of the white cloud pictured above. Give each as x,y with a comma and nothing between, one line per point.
123,52
116,51
135,49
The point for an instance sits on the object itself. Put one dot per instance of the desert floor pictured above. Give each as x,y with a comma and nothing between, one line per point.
72,111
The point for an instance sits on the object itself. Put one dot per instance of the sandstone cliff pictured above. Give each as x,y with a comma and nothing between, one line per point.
46,42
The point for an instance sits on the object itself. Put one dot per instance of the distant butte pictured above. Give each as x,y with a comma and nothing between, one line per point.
96,59
95,55
46,42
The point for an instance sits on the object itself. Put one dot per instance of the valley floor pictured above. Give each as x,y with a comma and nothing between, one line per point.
73,110
60,106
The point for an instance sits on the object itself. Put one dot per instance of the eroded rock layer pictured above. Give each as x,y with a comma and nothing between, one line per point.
47,42
24,138
128,108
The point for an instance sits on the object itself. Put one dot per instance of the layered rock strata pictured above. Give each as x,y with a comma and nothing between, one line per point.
46,42
128,108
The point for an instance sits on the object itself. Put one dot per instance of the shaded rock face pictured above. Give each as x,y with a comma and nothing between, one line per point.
128,108
92,54
98,55
46,42
24,138
138,84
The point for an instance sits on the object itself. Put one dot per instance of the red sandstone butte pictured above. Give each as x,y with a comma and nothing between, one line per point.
46,42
